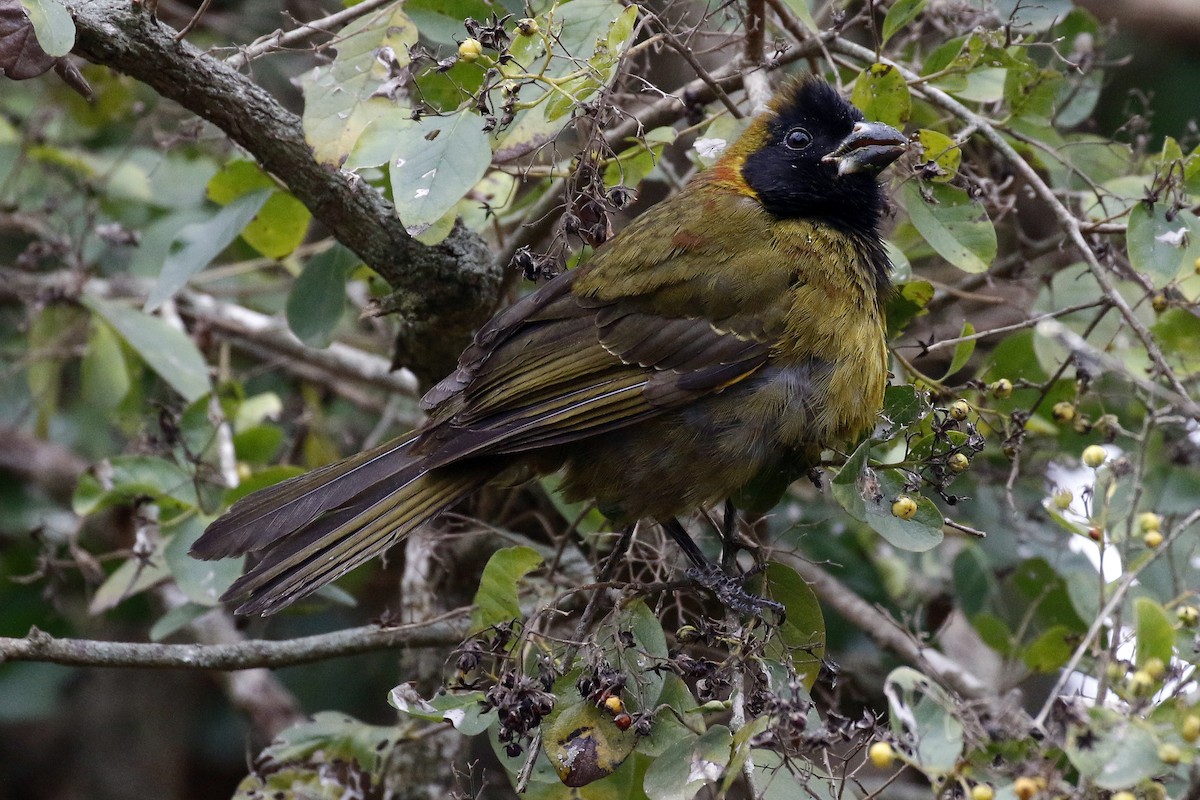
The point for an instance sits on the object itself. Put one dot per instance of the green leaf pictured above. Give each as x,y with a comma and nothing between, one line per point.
496,600
199,243
53,26
942,151
803,10
881,93
689,765
49,334
602,66
280,225
994,632
258,444
667,728
435,162
973,583
650,646
128,479
867,495
953,224
165,349
1032,91
341,99
906,303
176,619
202,581
925,715
962,351
902,406
1158,247
338,737
318,297
261,480
134,576
1155,633
1178,333
463,710
104,372
1113,751
1050,651
900,14
802,634
581,739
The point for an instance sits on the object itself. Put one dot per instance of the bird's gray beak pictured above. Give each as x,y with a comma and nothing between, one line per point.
870,147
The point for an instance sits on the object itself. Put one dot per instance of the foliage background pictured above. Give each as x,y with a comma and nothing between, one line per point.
142,253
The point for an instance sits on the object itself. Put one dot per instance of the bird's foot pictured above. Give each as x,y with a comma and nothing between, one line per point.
733,595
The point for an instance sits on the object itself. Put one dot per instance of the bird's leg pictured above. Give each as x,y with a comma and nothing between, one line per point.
726,587
729,545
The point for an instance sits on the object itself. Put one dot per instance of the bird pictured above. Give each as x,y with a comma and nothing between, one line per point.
725,335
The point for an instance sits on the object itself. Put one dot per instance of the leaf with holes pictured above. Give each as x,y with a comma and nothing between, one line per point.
341,99
436,160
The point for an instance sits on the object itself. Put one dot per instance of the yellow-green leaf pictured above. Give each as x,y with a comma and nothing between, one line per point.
881,93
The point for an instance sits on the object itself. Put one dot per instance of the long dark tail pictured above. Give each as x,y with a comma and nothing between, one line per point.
313,528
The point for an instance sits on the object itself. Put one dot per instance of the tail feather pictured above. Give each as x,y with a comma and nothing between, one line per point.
333,543
256,521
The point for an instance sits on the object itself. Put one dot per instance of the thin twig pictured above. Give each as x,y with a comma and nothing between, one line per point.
306,30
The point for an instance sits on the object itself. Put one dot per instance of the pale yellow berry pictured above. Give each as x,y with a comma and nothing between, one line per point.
882,755
1188,616
1149,521
1063,411
469,50
959,410
527,26
1169,754
1190,729
1063,499
1002,388
1124,796
1094,455
982,791
958,462
1155,668
1025,788
1140,683
1159,302
904,507
1152,539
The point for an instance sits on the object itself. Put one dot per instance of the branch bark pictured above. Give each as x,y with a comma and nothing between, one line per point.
38,645
442,291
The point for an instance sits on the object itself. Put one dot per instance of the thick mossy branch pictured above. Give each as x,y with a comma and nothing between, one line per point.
443,291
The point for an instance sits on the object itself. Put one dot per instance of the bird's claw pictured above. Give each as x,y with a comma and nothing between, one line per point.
733,595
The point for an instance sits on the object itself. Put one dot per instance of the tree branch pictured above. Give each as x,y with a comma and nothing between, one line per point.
38,645
441,291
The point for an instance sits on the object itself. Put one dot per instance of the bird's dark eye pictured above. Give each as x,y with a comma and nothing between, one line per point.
797,139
